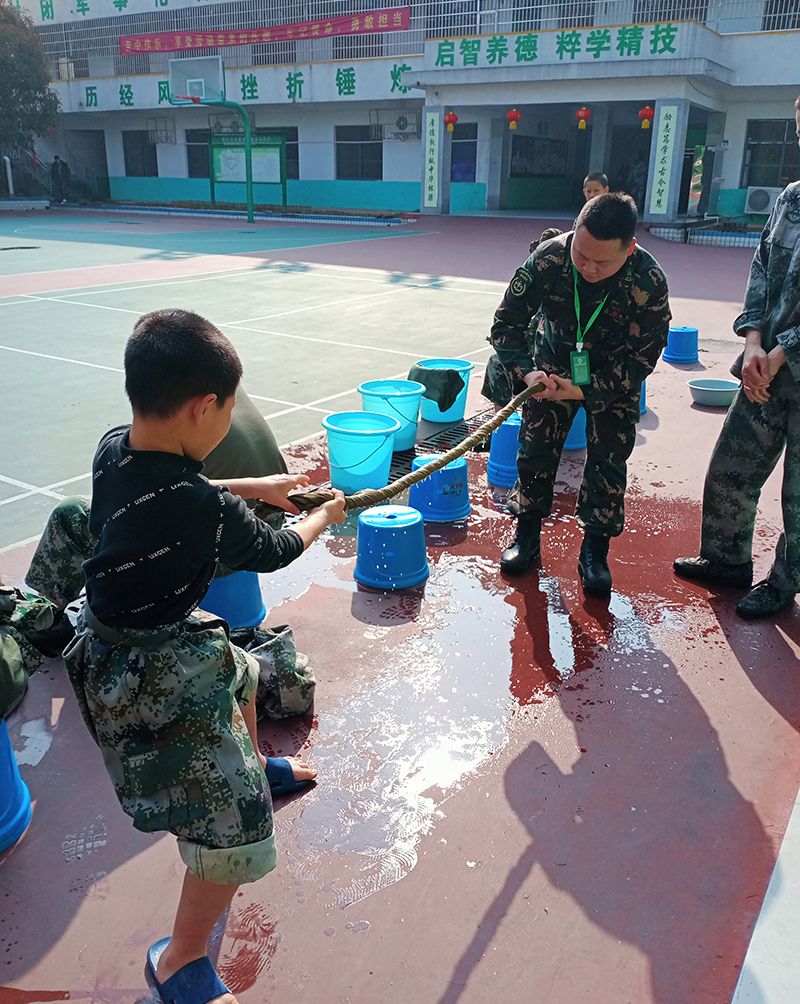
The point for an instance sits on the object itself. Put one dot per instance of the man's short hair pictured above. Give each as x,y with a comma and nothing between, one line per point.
173,356
610,217
596,176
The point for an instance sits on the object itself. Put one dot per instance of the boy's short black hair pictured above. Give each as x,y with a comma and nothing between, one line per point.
596,176
610,217
173,356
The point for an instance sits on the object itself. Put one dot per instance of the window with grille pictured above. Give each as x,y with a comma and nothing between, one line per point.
670,10
771,156
464,156
275,53
781,15
141,160
574,14
358,156
197,141
448,18
357,46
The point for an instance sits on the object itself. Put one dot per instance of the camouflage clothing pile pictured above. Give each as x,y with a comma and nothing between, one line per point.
623,345
754,435
24,620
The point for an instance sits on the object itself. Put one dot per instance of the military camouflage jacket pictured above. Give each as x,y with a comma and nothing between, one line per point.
772,299
625,341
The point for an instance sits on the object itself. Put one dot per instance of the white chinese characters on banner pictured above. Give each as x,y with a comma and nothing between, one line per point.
664,140
430,195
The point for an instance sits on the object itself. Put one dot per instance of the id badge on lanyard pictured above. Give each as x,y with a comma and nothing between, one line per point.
579,360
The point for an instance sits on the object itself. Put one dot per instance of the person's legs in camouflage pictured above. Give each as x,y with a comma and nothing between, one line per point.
56,567
600,511
543,432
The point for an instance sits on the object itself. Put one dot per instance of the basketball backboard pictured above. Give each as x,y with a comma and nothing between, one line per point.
196,80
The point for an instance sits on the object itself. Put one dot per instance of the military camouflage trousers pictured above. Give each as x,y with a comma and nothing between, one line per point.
747,451
610,435
163,705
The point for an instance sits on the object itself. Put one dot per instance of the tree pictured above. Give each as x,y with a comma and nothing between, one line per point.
27,105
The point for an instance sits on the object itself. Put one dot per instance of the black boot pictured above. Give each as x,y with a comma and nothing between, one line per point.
593,563
524,548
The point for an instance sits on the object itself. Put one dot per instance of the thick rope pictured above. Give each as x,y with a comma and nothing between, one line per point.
374,496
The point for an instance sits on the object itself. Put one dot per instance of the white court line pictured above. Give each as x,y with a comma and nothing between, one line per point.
322,341
77,303
61,359
19,543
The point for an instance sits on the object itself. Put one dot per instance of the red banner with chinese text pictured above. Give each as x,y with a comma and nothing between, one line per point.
388,19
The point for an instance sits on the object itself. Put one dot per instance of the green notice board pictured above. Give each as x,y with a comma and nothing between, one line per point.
268,154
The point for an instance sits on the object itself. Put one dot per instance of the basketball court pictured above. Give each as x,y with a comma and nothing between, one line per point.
524,793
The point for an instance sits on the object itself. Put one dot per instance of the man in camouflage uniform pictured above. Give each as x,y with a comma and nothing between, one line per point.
763,419
596,280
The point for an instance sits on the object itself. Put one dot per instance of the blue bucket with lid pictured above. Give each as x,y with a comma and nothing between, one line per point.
430,409
360,446
391,548
443,496
398,398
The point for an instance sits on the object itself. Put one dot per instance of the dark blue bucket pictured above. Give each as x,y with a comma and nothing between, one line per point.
15,799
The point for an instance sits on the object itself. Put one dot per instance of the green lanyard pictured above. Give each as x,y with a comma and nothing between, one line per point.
592,319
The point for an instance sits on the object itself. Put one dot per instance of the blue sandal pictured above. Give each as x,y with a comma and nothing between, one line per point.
281,776
196,983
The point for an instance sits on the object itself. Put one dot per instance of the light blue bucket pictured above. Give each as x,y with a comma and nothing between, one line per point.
576,437
501,469
15,799
398,398
430,409
236,598
360,445
442,497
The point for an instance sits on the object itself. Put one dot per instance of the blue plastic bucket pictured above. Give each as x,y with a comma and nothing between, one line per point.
391,548
430,409
681,346
360,445
398,398
443,496
236,598
15,799
576,437
501,469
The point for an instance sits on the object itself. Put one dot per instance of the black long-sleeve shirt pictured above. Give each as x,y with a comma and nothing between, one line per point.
160,528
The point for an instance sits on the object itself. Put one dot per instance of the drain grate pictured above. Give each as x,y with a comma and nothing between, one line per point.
439,442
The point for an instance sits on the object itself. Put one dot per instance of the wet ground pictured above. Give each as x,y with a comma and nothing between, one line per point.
524,793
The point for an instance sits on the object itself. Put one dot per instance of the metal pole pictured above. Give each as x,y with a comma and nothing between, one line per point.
248,151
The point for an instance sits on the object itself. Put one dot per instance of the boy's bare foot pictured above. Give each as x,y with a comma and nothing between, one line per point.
168,966
300,769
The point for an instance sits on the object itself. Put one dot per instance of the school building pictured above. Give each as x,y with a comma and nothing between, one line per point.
686,104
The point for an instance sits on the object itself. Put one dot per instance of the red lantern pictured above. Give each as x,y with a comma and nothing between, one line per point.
513,117
450,120
646,114
582,115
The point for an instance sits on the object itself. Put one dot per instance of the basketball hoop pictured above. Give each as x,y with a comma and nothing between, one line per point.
187,97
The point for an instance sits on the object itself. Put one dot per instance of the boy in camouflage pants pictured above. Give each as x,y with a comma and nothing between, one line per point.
763,419
165,695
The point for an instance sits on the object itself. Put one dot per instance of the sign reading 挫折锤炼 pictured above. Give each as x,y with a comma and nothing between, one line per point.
615,42
390,19
664,141
430,183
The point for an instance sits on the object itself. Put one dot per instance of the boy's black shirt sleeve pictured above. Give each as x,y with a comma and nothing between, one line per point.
160,528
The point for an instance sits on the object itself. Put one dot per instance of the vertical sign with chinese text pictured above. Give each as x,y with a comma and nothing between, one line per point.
665,144
430,182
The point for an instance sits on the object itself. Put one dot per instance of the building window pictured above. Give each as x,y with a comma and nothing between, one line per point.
771,155
140,154
275,53
197,141
358,156
449,18
357,46
133,65
526,17
464,151
781,15
289,134
671,10
574,14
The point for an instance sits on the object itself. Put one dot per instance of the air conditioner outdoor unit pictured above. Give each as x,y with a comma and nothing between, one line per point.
760,199
395,123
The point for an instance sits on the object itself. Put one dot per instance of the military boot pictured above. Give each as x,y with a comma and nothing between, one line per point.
593,563
524,548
